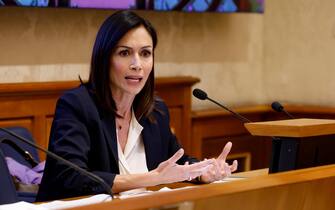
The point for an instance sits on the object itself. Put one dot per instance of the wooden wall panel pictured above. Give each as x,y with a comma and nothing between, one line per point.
212,129
32,105
202,133
24,122
176,121
177,95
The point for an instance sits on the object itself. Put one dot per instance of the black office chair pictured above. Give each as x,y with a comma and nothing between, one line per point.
20,152
8,192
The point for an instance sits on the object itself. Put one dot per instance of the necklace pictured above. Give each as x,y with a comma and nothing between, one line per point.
122,122
118,124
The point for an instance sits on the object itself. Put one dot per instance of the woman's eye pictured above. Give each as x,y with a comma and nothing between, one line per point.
146,53
124,53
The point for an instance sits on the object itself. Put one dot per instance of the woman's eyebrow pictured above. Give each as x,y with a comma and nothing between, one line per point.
124,46
148,46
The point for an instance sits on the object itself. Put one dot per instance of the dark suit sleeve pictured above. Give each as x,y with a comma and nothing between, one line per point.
71,138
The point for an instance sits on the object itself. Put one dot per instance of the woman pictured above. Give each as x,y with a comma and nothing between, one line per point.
114,126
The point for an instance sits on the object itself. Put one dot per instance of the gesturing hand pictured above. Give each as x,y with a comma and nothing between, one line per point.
220,169
169,171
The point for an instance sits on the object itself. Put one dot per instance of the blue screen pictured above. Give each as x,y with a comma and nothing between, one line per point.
160,5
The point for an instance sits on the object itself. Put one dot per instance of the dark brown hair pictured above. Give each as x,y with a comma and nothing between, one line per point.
109,34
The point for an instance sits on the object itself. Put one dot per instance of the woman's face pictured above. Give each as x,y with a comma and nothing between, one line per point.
131,62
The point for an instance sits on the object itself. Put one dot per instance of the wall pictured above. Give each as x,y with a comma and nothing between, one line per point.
286,54
224,50
299,49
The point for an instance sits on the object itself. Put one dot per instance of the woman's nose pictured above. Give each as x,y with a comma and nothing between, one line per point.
136,63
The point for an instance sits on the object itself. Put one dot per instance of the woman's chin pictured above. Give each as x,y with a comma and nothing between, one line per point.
134,91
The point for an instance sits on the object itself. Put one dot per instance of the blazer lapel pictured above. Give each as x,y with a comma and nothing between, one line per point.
152,144
108,126
110,134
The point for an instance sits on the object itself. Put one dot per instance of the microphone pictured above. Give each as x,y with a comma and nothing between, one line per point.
276,106
276,143
202,95
276,161
66,162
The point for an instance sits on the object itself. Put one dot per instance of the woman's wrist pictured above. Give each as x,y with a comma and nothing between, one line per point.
154,178
133,181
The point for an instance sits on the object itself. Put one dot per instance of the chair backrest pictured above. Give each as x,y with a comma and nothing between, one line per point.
12,151
18,150
8,192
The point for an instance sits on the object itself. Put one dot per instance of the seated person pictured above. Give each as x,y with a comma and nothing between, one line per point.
115,127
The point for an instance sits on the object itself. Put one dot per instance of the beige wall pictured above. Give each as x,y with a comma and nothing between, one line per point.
224,50
299,51
284,54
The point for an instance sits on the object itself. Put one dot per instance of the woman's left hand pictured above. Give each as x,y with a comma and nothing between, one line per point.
220,169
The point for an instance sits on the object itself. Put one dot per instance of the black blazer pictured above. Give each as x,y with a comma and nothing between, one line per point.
83,134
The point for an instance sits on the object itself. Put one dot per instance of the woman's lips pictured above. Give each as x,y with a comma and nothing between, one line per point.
134,78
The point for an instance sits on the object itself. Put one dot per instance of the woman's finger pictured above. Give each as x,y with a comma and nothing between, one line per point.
201,165
225,152
234,166
176,156
173,159
227,170
199,168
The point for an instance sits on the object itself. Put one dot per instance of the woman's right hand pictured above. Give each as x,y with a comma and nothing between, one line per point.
169,171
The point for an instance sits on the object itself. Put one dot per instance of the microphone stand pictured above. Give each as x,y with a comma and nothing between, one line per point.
240,117
68,163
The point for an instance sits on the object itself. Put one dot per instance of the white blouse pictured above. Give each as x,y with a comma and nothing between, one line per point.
133,159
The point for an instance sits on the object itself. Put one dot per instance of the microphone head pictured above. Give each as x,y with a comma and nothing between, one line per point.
277,106
200,94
